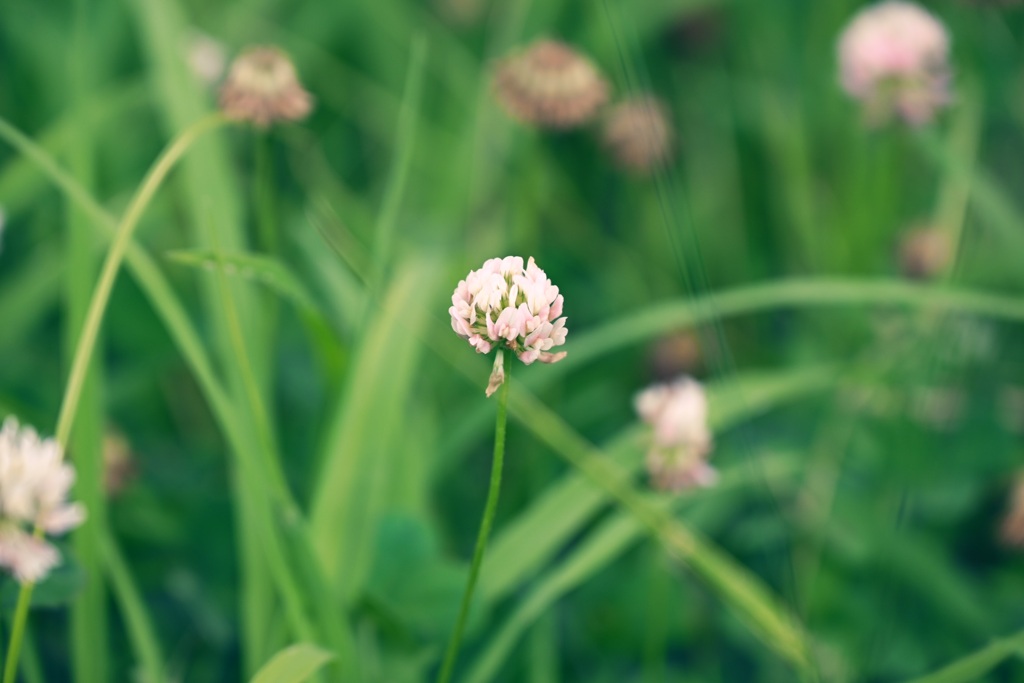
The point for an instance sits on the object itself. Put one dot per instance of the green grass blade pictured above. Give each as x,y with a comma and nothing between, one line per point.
608,541
361,444
90,640
738,588
974,666
559,513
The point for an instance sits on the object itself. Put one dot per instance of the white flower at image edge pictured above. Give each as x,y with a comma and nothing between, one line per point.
506,306
894,57
34,484
681,439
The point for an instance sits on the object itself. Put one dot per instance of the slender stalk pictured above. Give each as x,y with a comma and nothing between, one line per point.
263,193
157,173
490,507
17,632
90,330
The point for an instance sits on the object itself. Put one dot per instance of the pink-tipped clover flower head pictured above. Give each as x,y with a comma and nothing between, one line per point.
34,485
681,441
894,58
507,306
262,87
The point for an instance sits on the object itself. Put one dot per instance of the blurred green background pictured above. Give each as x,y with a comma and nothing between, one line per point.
868,428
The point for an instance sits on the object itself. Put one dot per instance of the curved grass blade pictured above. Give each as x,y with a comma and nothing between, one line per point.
974,666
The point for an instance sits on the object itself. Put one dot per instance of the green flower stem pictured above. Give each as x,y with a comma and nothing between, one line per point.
490,508
90,330
263,192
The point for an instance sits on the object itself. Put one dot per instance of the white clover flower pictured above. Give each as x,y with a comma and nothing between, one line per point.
207,57
894,58
681,441
263,87
34,484
507,306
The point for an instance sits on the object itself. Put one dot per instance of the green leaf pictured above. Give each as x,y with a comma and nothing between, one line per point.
293,664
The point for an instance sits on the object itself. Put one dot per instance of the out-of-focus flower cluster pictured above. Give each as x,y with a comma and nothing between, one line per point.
263,87
507,306
894,58
681,439
550,85
639,134
34,485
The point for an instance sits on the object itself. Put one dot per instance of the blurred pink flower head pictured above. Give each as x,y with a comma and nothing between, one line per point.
262,87
681,440
550,85
894,58
506,306
34,485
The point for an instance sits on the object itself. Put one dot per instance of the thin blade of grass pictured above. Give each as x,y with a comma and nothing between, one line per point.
738,588
601,546
90,640
974,666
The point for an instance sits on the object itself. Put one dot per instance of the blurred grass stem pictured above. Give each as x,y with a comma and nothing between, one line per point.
490,507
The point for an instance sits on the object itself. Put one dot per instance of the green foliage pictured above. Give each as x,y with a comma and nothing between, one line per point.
309,439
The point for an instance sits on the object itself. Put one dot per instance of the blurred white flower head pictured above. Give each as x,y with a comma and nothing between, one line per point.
506,306
894,58
34,484
550,85
263,87
681,439
207,57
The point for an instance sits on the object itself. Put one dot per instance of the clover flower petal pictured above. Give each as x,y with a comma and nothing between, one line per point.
681,439
894,58
34,486
509,304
